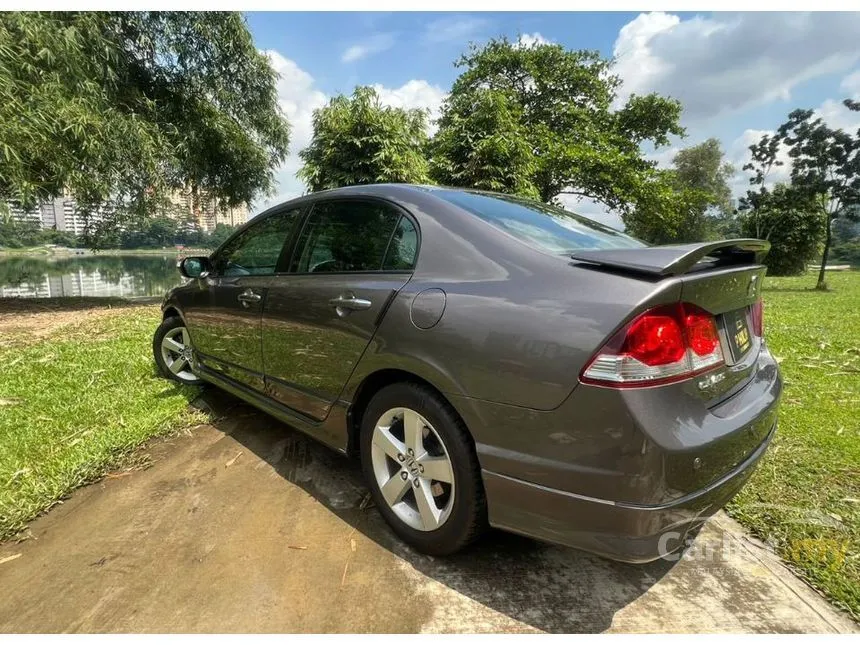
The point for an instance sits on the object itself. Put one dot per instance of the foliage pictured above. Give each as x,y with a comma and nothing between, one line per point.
803,497
560,104
357,140
846,238
703,167
690,202
483,145
789,219
825,167
16,234
702,176
121,107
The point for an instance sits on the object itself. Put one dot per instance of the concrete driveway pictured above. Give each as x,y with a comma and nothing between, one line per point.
247,526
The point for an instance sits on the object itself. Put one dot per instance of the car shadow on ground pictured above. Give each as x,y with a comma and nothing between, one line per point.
547,587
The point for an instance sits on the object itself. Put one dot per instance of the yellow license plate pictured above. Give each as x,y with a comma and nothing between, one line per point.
741,335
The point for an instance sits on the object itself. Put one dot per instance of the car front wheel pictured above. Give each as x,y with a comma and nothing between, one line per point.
420,465
172,349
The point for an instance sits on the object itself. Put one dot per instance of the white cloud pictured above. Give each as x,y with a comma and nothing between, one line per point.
453,28
299,96
851,85
836,115
373,45
531,40
729,62
414,94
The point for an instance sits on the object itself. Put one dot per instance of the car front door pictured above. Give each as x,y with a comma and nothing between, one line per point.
225,326
351,258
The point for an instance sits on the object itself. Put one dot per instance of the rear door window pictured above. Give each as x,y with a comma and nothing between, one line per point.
354,236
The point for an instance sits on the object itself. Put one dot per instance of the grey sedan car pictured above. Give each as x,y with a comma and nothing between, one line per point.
492,361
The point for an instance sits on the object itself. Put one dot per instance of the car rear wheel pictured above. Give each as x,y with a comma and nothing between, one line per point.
421,468
172,349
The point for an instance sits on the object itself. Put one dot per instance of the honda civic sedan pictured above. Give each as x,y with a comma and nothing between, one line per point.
492,361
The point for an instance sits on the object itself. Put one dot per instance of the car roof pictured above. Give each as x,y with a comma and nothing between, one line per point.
390,191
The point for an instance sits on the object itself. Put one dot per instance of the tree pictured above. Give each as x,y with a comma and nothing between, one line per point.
119,108
783,214
846,238
788,218
218,236
702,171
357,140
825,167
560,104
483,145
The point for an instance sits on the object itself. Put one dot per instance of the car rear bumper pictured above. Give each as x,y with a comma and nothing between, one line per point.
617,530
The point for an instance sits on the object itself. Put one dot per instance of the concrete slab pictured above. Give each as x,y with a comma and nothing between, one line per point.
247,526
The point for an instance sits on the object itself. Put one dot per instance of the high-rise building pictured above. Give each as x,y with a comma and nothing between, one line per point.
204,211
62,212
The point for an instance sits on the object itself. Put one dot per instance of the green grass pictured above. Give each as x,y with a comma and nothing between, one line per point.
805,496
75,404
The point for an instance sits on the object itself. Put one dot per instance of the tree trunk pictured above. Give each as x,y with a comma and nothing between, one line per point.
822,284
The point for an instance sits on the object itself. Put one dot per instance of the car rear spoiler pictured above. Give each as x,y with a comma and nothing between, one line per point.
677,259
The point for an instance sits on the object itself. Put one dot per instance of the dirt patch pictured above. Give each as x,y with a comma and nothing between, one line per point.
26,321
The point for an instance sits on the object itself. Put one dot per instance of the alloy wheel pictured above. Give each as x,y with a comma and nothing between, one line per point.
413,469
176,352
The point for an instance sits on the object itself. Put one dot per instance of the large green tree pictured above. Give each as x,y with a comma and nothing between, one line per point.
782,214
559,103
483,144
703,172
826,167
357,140
788,218
119,108
690,202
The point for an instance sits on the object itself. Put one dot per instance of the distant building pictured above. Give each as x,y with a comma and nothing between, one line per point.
62,213
206,212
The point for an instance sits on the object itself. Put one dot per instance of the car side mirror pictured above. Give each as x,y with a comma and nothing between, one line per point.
195,267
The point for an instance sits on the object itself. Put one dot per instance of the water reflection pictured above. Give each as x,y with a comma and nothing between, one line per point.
125,276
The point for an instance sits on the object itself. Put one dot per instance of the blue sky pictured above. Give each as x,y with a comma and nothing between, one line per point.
737,74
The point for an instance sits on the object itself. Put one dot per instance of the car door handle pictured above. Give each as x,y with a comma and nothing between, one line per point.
350,303
248,296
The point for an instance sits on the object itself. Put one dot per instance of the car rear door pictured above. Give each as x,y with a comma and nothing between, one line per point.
224,317
351,258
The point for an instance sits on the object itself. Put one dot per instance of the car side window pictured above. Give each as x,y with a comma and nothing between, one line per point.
345,236
256,250
402,248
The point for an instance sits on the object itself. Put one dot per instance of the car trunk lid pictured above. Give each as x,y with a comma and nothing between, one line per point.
724,278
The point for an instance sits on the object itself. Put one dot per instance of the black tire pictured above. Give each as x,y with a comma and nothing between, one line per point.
468,517
169,325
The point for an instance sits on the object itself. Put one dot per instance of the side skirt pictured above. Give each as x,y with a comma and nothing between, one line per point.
332,431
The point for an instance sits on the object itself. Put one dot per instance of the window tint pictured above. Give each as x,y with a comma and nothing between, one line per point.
402,248
345,236
255,251
546,227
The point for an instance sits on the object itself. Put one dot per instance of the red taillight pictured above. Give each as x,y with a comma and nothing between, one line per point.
702,333
758,318
661,345
654,339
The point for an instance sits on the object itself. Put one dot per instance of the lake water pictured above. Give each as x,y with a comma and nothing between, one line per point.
125,276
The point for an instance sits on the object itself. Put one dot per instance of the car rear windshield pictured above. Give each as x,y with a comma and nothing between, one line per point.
546,227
